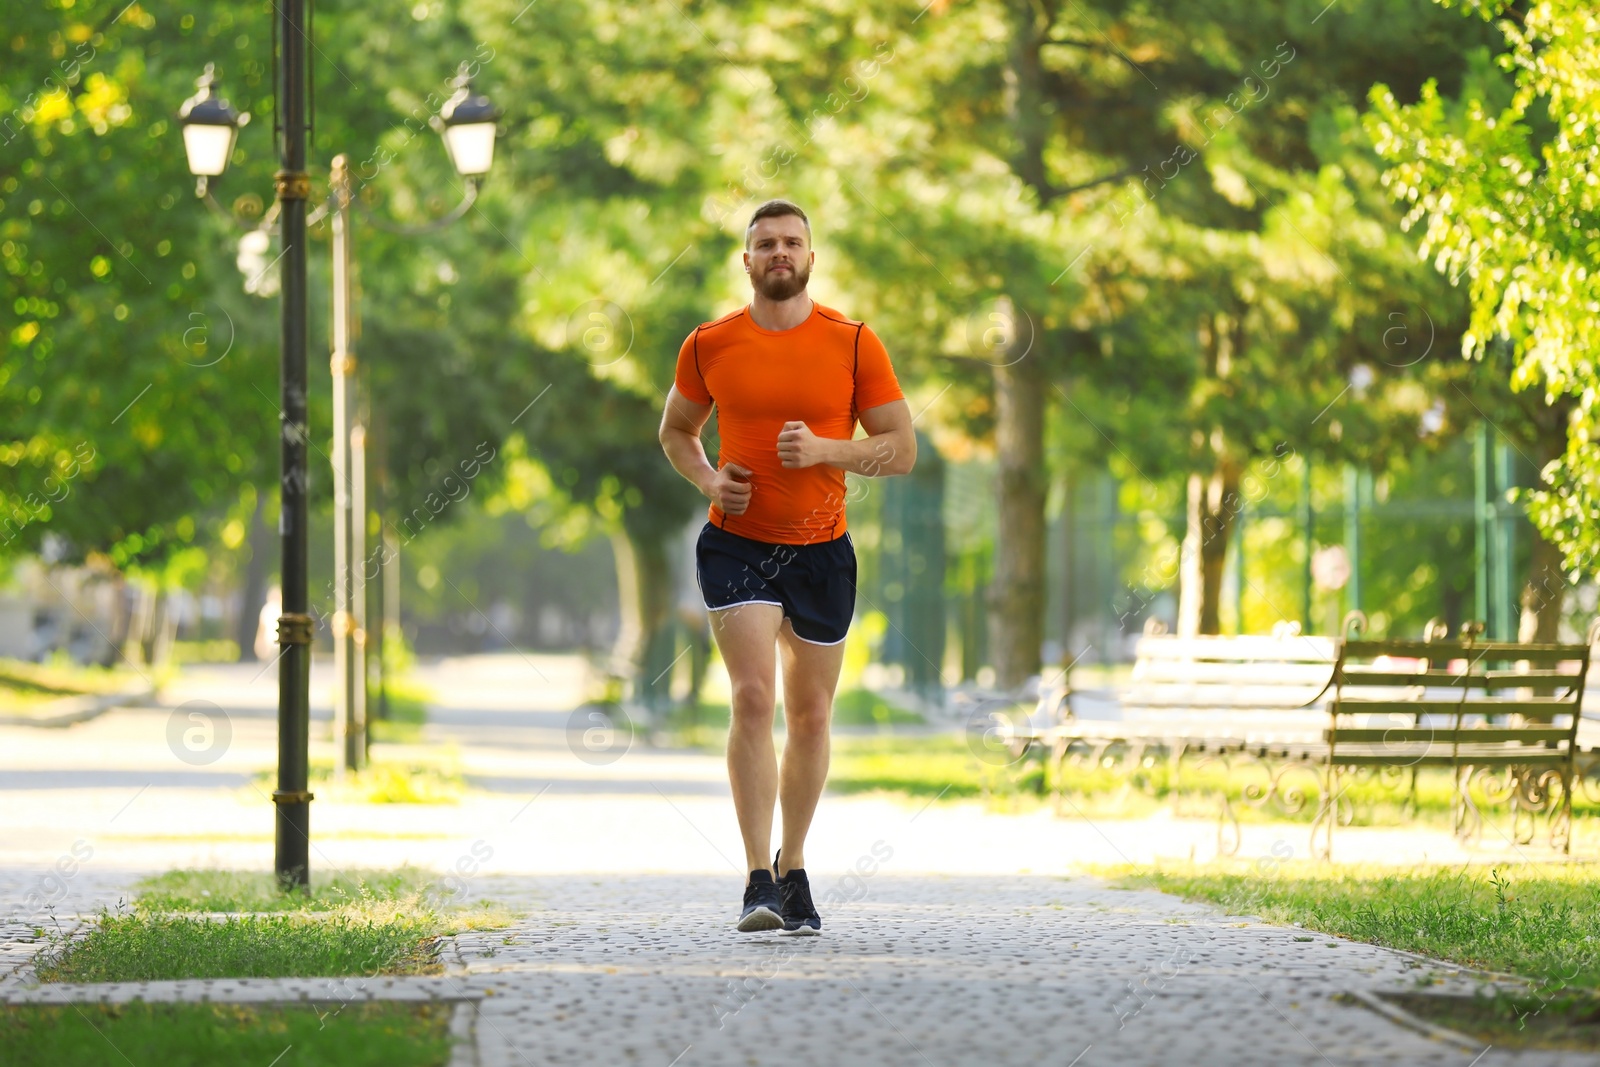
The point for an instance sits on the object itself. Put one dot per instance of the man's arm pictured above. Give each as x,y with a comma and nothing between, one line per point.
890,446
681,423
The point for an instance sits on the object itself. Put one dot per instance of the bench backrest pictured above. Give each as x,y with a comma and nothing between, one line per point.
1246,674
1413,697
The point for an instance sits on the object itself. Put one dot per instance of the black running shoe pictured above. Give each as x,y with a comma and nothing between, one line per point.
800,916
763,910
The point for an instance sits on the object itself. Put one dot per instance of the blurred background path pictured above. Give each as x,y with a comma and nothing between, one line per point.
129,790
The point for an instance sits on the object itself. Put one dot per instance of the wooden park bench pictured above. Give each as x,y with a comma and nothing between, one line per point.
1503,716
1300,718
1196,702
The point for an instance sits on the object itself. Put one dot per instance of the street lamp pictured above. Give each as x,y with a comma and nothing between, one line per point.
466,123
209,130
210,127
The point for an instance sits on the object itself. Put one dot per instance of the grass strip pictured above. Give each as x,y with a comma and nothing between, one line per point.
1540,922
254,891
915,766
383,782
203,1035
702,724
863,707
949,764
350,923
140,948
63,678
407,704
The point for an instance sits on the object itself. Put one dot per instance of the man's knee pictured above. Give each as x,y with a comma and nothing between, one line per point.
752,697
808,718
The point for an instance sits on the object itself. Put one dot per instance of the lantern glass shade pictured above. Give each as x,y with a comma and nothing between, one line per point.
210,126
471,147
208,147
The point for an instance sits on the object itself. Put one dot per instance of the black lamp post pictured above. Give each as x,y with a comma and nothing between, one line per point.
292,835
210,128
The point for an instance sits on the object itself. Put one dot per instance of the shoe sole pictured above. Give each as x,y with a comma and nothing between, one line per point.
761,919
803,931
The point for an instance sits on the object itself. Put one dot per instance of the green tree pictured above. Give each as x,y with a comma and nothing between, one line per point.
1500,177
1174,203
129,388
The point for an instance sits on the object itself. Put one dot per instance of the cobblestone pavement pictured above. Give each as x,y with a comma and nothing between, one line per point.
45,909
921,971
930,971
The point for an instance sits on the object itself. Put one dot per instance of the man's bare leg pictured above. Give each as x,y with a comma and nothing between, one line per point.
810,675
747,635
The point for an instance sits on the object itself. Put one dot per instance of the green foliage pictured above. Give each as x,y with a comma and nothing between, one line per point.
1499,180
132,348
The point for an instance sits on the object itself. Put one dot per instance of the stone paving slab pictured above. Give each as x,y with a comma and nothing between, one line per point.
933,971
47,908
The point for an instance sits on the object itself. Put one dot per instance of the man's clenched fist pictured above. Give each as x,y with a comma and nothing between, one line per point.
799,447
730,489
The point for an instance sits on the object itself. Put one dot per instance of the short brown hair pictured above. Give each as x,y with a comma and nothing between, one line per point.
773,209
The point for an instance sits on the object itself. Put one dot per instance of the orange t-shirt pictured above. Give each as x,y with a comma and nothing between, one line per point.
823,372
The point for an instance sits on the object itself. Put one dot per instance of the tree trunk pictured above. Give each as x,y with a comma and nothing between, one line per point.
1017,596
1213,508
141,626
1026,97
1016,599
1545,589
1543,594
123,606
646,594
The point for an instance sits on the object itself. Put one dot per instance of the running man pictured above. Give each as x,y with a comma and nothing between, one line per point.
789,379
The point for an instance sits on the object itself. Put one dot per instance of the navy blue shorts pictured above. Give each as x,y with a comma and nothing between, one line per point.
815,585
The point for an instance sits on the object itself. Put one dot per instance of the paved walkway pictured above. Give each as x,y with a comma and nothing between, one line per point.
952,936
930,971
921,971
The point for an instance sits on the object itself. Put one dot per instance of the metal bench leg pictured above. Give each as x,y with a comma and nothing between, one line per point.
1566,813
1468,819
1327,815
1058,756
1525,786
1227,818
